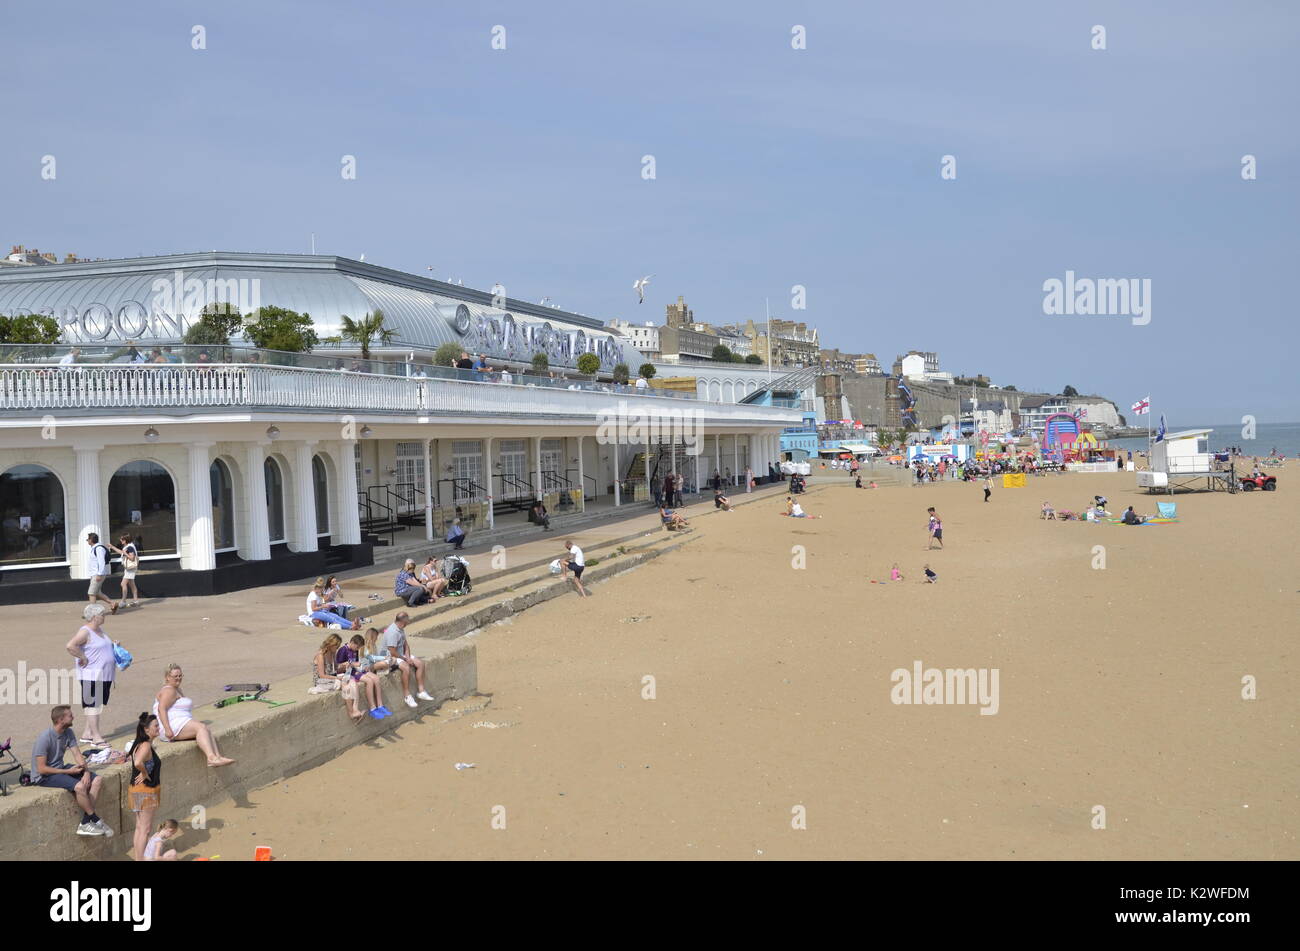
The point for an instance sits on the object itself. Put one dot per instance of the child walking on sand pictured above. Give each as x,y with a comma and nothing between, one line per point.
936,528
930,576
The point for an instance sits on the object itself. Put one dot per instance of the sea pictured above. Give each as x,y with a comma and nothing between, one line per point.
1285,437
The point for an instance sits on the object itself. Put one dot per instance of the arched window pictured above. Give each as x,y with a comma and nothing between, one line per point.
33,526
274,500
223,506
142,504
320,481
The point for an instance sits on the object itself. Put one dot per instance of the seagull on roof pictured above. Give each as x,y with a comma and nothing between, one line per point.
639,287
363,256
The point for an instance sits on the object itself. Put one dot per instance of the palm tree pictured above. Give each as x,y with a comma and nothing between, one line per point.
368,328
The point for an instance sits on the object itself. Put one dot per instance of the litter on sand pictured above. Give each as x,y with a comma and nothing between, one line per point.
466,765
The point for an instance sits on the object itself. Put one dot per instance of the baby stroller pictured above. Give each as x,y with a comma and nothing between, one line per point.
10,763
456,570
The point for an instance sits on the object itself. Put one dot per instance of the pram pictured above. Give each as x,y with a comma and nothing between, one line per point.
10,763
456,570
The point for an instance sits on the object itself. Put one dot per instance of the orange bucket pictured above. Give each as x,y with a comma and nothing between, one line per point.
262,853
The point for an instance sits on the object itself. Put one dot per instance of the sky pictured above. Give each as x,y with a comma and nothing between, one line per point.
774,167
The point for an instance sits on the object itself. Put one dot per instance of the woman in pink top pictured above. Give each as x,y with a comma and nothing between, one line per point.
96,668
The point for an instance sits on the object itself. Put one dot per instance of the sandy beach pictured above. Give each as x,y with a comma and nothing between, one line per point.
1118,687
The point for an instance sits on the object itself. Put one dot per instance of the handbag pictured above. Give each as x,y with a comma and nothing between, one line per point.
121,656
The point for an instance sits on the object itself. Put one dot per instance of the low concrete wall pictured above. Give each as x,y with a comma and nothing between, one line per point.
267,743
515,601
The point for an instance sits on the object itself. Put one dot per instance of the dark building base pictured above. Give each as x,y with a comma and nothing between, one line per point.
44,586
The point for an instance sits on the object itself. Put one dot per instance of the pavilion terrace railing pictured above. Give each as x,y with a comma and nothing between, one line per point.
52,388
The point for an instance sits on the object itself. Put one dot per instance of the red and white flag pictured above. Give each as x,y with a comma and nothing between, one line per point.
1142,407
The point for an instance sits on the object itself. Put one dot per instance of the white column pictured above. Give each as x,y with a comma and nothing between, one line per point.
202,557
489,466
582,485
735,454
89,507
649,489
537,466
305,496
257,546
430,486
348,531
618,494
697,468
717,454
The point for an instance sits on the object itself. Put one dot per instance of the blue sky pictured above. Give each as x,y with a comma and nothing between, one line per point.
775,166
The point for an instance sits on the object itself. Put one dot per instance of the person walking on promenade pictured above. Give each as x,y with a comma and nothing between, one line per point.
98,567
749,479
677,489
936,528
130,565
988,487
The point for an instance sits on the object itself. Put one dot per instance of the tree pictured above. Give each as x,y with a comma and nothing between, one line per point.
589,364
737,358
1069,391
217,321
1011,388
722,353
540,363
754,358
363,331
647,370
275,328
446,355
621,373
29,328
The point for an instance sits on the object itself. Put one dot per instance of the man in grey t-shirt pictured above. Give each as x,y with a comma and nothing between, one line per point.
49,769
395,646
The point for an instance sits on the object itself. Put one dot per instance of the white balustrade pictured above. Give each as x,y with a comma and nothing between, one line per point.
52,388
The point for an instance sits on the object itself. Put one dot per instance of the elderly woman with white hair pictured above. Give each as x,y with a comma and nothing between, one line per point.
96,669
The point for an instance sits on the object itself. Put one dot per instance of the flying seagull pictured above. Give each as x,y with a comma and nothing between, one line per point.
639,287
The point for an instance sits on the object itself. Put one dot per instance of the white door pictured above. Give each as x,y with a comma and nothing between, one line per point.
467,464
514,469
410,472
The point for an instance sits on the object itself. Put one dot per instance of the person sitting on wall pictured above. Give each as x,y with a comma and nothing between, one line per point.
433,582
49,770
538,515
720,501
671,520
456,535
407,587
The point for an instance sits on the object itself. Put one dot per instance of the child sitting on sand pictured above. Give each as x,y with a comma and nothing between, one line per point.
895,574
1048,512
930,576
794,510
153,850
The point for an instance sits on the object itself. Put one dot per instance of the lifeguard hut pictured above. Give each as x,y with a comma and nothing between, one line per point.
1181,461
